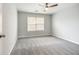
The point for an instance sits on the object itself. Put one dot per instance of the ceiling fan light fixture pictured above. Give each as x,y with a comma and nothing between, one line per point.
46,9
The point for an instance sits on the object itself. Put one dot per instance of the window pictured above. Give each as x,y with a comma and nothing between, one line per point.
35,23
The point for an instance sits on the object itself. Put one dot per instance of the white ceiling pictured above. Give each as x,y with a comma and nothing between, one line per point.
36,8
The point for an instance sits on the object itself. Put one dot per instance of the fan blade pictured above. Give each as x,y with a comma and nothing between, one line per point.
53,5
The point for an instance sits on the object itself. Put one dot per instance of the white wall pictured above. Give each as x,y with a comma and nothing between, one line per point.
22,25
65,24
1,28
0,18
9,27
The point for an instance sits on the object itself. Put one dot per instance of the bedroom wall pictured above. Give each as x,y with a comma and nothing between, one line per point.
9,27
65,24
22,25
1,40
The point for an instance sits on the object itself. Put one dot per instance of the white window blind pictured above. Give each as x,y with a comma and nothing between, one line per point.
35,23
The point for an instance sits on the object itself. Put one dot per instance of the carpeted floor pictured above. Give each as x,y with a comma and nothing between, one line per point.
44,46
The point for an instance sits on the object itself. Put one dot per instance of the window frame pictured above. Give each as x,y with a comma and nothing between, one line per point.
36,24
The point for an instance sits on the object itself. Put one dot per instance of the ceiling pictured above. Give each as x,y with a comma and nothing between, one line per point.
36,8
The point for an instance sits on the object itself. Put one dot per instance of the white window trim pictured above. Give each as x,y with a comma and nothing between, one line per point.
36,24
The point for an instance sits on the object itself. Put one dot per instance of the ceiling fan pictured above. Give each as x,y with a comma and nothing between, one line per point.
48,5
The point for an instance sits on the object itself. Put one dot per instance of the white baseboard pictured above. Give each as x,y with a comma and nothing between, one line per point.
67,40
74,42
32,36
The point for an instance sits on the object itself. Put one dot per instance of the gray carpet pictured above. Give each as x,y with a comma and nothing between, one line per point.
44,46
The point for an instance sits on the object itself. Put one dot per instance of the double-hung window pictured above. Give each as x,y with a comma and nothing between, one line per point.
35,23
